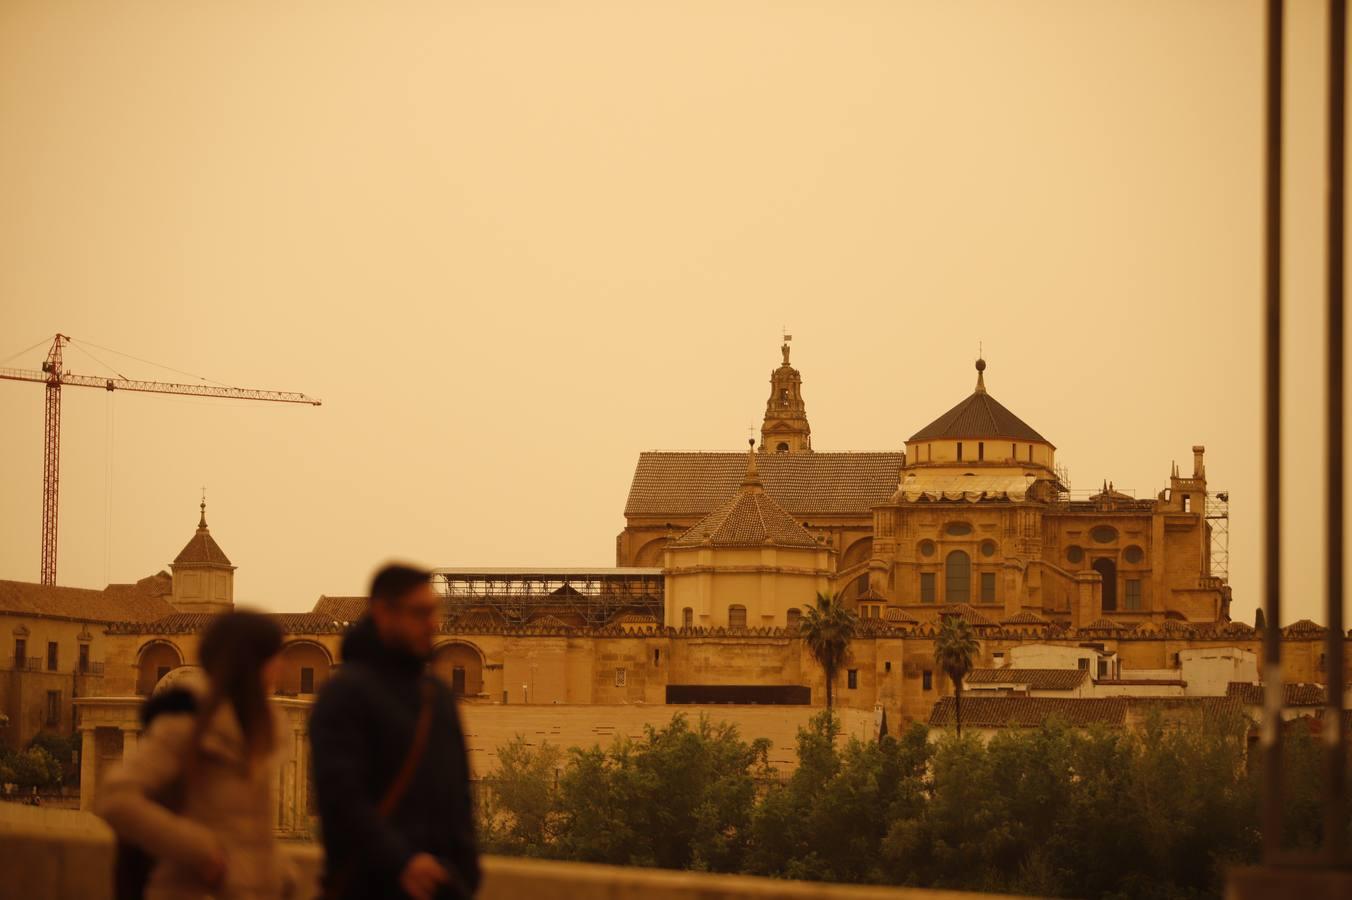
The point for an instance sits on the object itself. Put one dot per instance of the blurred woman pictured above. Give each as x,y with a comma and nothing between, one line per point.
197,793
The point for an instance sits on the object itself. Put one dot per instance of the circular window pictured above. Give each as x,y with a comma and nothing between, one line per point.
927,548
1075,554
988,548
958,529
1133,554
1103,534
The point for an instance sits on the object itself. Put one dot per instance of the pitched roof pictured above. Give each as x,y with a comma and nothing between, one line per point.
969,613
749,518
1030,712
897,614
682,484
346,609
1025,617
979,416
139,602
1293,693
1035,679
192,623
202,550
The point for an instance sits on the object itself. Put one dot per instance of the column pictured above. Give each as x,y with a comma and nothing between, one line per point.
88,760
131,735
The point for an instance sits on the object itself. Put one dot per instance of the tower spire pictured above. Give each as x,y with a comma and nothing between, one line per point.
202,522
785,428
752,478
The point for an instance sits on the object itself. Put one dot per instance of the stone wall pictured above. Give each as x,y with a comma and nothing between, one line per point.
48,854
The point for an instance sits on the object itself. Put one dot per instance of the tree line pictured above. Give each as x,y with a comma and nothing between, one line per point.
1050,811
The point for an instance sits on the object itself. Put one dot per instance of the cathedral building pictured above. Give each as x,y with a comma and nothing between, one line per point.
973,512
1073,601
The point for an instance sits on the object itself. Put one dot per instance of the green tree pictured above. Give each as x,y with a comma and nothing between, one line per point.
62,748
681,797
519,813
828,629
954,648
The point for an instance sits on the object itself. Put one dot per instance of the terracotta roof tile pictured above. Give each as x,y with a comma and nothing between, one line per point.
971,614
140,602
897,614
1030,712
192,623
201,550
1026,617
1035,679
680,484
750,518
1293,693
979,416
346,609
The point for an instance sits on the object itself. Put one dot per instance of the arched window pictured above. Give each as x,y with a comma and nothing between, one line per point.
794,618
687,617
1108,569
958,578
736,616
782,447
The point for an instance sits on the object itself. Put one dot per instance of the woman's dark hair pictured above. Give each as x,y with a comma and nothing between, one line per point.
233,651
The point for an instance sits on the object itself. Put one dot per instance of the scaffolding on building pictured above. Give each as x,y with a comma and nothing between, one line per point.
590,597
1218,527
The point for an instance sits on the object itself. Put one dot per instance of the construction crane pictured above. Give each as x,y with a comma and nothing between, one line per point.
54,376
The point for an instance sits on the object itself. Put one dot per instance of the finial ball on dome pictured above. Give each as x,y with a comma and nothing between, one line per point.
981,365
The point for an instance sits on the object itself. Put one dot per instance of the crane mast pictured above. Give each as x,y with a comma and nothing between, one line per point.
54,376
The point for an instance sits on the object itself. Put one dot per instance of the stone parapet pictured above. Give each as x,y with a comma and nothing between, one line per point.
48,854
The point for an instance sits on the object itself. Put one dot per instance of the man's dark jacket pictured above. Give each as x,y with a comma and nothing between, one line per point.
360,732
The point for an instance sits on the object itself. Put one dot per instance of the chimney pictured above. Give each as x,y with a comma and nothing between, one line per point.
1198,469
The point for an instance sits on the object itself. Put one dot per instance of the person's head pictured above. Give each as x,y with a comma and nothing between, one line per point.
405,608
240,654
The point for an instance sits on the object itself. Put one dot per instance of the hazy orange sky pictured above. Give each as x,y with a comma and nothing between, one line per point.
511,245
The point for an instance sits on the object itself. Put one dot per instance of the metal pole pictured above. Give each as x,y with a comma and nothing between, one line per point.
1335,741
1272,491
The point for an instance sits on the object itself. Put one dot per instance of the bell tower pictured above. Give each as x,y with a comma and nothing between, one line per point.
785,429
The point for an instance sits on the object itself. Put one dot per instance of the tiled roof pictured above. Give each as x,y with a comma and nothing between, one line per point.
897,614
806,484
749,518
140,602
549,621
1035,679
967,611
1026,617
192,623
1184,708
1303,627
202,550
1030,712
979,416
1293,693
1102,625
346,609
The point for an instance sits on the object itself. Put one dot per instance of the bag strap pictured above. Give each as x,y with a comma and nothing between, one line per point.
337,886
417,749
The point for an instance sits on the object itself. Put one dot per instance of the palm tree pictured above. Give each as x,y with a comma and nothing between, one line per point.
828,630
954,647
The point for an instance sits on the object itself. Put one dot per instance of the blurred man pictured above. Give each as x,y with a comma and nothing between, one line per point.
389,757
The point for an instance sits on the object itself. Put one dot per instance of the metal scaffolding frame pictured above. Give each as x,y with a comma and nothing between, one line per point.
520,596
1218,522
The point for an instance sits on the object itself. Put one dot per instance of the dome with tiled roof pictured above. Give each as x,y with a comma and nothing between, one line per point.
979,416
750,518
